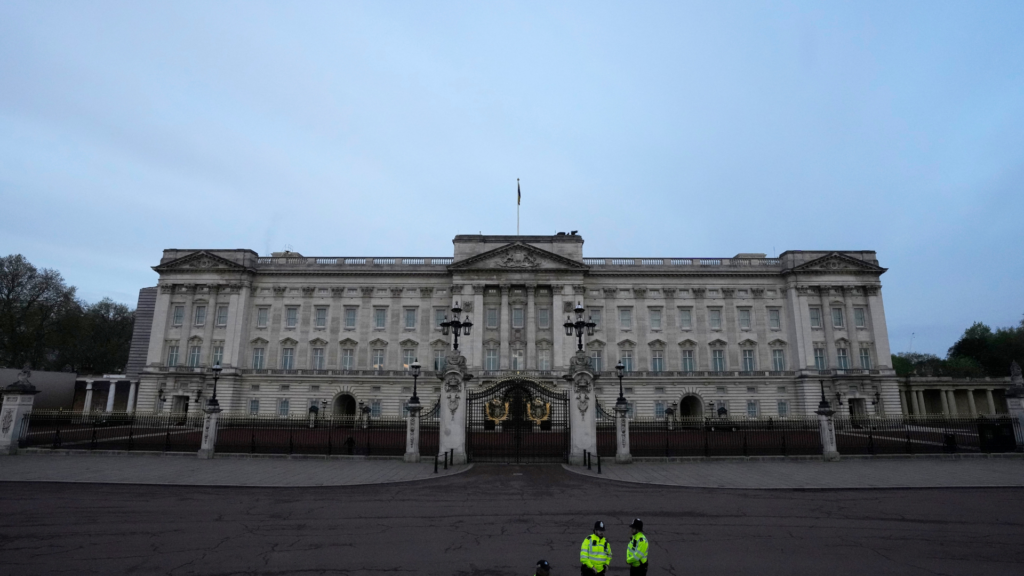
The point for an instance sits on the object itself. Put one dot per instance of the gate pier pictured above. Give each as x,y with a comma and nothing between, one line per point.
583,419
453,406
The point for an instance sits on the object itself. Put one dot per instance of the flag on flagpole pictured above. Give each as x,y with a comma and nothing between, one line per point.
519,192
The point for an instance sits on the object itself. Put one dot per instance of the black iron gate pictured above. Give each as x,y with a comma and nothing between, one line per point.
517,421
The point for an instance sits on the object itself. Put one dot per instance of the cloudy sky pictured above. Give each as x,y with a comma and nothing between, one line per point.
655,129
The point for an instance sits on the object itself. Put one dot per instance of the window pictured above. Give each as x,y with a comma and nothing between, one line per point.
659,409
492,318
318,358
721,390
288,358
721,408
320,317
518,360
655,319
778,360
517,317
408,357
715,318
544,318
218,354
262,317
380,316
179,316
597,360
258,358
781,389
282,407
200,319
657,361
348,356
193,356
491,359
625,318
378,359
439,359
291,317
286,387
172,355
687,360
686,318
718,360
751,389
627,360
774,319
860,319
350,318
375,409
544,359
837,317
751,408
438,318
865,358
595,317
744,318
254,406
748,361
410,318
255,387
842,359
783,408
314,388
820,362
222,315
815,317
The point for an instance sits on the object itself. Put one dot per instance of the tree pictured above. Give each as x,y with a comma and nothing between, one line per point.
32,305
992,351
95,338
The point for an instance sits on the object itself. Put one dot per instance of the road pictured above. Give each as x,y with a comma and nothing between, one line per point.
497,520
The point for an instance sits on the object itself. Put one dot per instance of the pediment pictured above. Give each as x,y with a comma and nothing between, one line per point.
439,343
259,341
409,343
688,343
717,343
201,260
318,342
838,263
348,342
516,257
656,343
378,342
288,342
627,343
748,342
595,343
777,342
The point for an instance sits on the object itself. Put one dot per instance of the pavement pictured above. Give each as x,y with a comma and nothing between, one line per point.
187,470
848,473
498,520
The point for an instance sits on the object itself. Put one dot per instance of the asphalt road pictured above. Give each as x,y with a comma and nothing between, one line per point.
497,520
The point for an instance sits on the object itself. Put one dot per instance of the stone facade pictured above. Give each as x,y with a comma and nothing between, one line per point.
751,334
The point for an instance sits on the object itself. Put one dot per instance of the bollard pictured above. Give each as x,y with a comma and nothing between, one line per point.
435,463
588,461
598,463
445,460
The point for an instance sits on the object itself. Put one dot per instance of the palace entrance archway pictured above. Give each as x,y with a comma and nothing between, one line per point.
344,406
691,407
517,420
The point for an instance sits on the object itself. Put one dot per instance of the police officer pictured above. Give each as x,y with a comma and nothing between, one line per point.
636,551
543,568
595,554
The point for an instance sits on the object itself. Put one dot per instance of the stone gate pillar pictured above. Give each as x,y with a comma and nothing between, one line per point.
622,455
17,400
1015,402
209,443
452,415
412,434
829,451
582,407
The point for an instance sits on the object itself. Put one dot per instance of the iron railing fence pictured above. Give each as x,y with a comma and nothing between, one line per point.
163,432
723,437
329,436
925,435
430,430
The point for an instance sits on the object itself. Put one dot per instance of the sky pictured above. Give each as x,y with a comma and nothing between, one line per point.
674,129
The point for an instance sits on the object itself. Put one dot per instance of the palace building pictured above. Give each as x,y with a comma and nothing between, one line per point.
756,336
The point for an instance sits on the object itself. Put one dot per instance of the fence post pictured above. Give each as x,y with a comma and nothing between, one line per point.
412,433
829,453
93,442
209,442
131,430
435,463
622,455
598,463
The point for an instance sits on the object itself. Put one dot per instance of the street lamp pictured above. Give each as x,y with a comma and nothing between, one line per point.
579,326
824,408
415,367
212,403
620,371
455,326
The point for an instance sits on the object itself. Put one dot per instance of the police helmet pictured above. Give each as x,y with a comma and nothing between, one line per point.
599,525
637,523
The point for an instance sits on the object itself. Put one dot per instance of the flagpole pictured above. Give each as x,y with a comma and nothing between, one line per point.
519,199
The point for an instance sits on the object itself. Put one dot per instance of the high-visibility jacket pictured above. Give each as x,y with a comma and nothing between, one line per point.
636,551
596,553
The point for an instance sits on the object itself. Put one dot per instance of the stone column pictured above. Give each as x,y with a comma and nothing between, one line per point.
132,389
111,392
920,399
903,402
475,342
453,406
952,402
582,408
531,328
503,326
87,407
991,401
970,402
915,403
17,408
879,330
209,442
557,332
412,434
1015,402
945,402
622,455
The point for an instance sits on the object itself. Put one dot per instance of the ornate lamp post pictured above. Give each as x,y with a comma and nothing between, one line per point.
579,326
412,427
828,432
415,368
209,440
622,454
455,326
212,403
620,370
